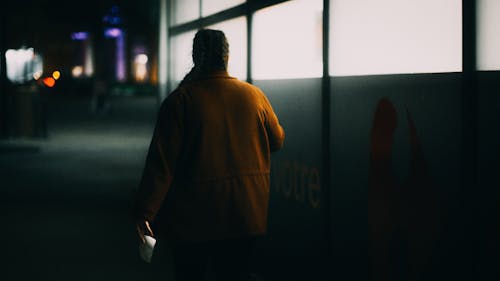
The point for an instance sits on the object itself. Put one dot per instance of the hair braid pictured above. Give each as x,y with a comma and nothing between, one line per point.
210,52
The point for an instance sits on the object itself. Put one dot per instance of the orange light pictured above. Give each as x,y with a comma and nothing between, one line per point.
56,74
49,82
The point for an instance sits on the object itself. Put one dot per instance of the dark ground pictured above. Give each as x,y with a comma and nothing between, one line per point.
65,201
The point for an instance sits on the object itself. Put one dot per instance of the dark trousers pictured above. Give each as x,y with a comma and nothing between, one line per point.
213,260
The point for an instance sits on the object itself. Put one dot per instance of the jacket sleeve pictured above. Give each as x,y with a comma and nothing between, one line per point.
164,149
275,132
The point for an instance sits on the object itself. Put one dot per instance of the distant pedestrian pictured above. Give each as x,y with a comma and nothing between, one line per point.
100,92
205,184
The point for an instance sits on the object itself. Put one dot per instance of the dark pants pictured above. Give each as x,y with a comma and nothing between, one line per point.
214,260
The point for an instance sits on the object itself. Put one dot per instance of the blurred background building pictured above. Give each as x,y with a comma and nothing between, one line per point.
67,47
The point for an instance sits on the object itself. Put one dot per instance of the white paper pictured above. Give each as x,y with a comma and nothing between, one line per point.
146,249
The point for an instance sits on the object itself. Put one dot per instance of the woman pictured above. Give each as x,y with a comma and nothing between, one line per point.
205,184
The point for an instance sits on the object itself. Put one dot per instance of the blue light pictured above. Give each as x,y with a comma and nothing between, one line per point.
115,9
82,35
113,18
112,32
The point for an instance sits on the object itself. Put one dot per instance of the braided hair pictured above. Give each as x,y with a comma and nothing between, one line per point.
210,53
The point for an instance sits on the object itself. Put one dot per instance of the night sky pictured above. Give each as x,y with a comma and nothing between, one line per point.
42,22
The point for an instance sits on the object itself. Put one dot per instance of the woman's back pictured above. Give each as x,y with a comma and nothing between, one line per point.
224,129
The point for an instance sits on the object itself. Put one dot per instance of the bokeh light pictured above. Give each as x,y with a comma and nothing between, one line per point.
56,74
141,71
77,71
37,75
49,82
141,59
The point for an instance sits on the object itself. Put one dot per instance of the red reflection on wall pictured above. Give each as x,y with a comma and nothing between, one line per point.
404,217
382,192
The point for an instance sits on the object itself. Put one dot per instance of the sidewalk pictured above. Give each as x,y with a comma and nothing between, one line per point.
65,201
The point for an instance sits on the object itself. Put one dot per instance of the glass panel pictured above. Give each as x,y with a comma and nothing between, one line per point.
395,36
181,60
236,34
213,6
488,39
287,40
184,11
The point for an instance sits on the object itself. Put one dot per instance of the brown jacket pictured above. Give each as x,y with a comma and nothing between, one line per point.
208,163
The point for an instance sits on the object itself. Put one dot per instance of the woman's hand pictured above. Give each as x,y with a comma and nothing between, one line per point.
143,228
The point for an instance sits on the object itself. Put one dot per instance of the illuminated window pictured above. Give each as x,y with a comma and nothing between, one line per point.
37,65
23,65
213,6
141,67
181,50
236,34
84,53
287,40
184,10
488,39
395,36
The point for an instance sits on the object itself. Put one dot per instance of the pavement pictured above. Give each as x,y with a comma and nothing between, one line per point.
65,201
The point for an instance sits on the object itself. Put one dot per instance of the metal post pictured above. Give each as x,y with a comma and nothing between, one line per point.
326,134
469,189
249,15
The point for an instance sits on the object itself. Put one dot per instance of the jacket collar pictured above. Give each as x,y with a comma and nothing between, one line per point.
215,73
209,75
